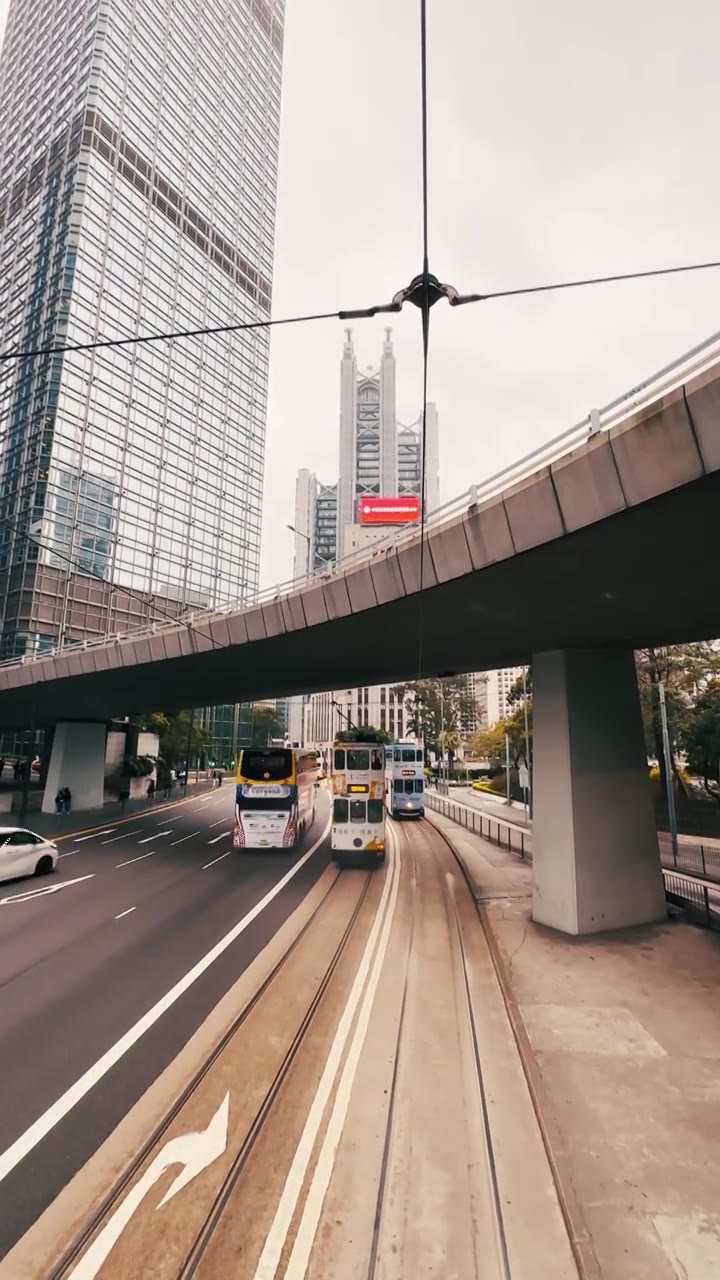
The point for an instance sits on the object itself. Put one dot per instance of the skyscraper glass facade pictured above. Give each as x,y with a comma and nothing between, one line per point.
138,167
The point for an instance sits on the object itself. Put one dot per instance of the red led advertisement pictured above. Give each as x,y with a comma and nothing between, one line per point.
402,510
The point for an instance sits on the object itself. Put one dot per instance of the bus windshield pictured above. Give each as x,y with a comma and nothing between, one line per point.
271,765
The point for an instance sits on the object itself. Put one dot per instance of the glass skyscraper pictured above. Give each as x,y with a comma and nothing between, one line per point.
138,167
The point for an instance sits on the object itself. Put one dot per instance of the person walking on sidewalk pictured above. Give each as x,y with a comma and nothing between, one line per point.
67,799
60,800
151,791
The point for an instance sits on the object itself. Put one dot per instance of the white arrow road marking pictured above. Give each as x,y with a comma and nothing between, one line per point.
22,1146
220,837
195,1151
47,889
149,838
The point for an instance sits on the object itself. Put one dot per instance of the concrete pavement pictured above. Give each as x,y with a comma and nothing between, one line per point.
621,1039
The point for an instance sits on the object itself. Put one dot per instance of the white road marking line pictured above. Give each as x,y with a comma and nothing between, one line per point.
157,837
307,1228
123,836
44,892
149,838
125,913
169,820
45,1123
370,964
95,835
222,855
222,836
192,833
131,860
217,824
69,853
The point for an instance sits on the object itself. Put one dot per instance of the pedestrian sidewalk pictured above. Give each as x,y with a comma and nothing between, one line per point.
79,820
620,1034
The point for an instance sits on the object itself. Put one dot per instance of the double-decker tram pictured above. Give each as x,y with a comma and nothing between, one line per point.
358,798
275,795
405,780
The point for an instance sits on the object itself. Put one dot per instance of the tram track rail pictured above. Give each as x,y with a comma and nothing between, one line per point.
63,1269
586,1262
460,958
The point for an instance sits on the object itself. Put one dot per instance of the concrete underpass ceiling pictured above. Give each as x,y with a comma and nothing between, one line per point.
645,576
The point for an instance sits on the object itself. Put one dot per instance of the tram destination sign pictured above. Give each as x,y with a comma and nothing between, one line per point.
400,510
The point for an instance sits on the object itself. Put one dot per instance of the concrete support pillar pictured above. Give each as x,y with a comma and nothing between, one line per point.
596,863
77,761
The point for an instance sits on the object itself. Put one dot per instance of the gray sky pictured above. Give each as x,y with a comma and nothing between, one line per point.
565,140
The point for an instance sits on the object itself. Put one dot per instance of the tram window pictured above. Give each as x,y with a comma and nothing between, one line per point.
408,786
377,761
418,784
408,755
339,761
358,810
375,810
398,786
358,760
340,810
420,756
397,755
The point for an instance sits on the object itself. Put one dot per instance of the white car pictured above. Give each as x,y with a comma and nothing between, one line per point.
23,853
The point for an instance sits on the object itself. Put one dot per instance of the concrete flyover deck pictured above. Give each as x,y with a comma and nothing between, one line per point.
601,548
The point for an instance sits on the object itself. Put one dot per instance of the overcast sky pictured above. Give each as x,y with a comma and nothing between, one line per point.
566,139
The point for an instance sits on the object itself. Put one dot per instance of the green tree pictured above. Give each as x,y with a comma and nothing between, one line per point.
448,742
434,705
265,726
489,744
174,731
701,736
364,733
685,670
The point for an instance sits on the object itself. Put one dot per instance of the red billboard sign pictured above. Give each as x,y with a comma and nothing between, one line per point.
401,510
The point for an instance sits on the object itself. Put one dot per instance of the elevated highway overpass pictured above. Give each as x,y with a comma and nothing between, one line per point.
606,546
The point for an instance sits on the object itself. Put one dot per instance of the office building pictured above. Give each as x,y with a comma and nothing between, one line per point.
138,167
378,457
495,696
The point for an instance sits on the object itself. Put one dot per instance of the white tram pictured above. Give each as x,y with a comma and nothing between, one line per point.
358,798
405,780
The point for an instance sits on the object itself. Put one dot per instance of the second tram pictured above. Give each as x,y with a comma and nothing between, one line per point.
405,780
358,800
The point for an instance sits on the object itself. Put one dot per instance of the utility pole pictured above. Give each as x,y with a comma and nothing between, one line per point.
528,791
507,767
672,815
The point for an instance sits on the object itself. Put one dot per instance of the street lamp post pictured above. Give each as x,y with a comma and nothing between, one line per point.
308,539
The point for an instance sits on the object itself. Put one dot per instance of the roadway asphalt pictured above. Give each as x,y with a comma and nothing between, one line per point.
133,908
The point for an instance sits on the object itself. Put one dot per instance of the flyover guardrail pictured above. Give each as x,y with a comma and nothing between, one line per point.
697,360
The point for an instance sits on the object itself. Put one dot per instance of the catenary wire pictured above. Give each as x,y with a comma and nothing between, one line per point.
425,306
581,284
358,313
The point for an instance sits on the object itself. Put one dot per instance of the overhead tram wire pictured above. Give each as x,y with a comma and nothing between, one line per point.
454,298
426,304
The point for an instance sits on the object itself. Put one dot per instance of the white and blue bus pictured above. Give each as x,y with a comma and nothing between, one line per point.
405,780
